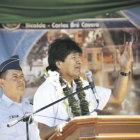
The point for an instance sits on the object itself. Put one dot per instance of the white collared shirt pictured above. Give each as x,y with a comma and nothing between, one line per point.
58,113
10,111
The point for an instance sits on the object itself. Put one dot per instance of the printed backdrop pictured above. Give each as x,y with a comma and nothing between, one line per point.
99,40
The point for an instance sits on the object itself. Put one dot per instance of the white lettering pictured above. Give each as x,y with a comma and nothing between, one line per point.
89,25
74,25
60,25
28,25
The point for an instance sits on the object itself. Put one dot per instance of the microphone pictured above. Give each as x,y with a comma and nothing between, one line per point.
28,115
88,75
25,118
12,123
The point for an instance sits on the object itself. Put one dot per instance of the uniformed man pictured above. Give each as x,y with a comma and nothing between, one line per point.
12,105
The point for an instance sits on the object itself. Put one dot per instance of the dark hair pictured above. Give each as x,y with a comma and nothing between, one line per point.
59,50
3,75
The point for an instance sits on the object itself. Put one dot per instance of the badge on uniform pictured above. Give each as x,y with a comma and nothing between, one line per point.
13,116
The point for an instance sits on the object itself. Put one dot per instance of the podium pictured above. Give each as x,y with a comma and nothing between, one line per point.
101,127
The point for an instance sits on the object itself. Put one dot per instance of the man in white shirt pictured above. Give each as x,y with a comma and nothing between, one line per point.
12,105
63,78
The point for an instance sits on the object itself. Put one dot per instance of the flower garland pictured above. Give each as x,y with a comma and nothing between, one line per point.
73,103
83,103
62,87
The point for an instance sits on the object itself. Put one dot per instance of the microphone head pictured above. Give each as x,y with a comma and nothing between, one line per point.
88,73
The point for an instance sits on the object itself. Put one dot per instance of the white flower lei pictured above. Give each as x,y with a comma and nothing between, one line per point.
53,77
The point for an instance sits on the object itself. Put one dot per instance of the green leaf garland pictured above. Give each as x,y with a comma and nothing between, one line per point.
73,103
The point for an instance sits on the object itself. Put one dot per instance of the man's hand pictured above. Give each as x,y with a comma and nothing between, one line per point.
59,128
126,58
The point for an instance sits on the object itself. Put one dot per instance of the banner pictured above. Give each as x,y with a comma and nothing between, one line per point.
99,40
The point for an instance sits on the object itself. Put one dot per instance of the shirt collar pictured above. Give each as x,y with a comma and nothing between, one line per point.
9,102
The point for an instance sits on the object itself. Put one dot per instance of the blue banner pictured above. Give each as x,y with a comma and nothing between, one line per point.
99,39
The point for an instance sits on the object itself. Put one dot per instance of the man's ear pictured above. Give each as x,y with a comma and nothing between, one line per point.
1,82
58,64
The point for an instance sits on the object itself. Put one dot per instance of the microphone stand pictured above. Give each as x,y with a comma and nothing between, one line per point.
87,87
27,116
27,130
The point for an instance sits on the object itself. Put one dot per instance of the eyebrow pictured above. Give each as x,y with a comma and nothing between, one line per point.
16,74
